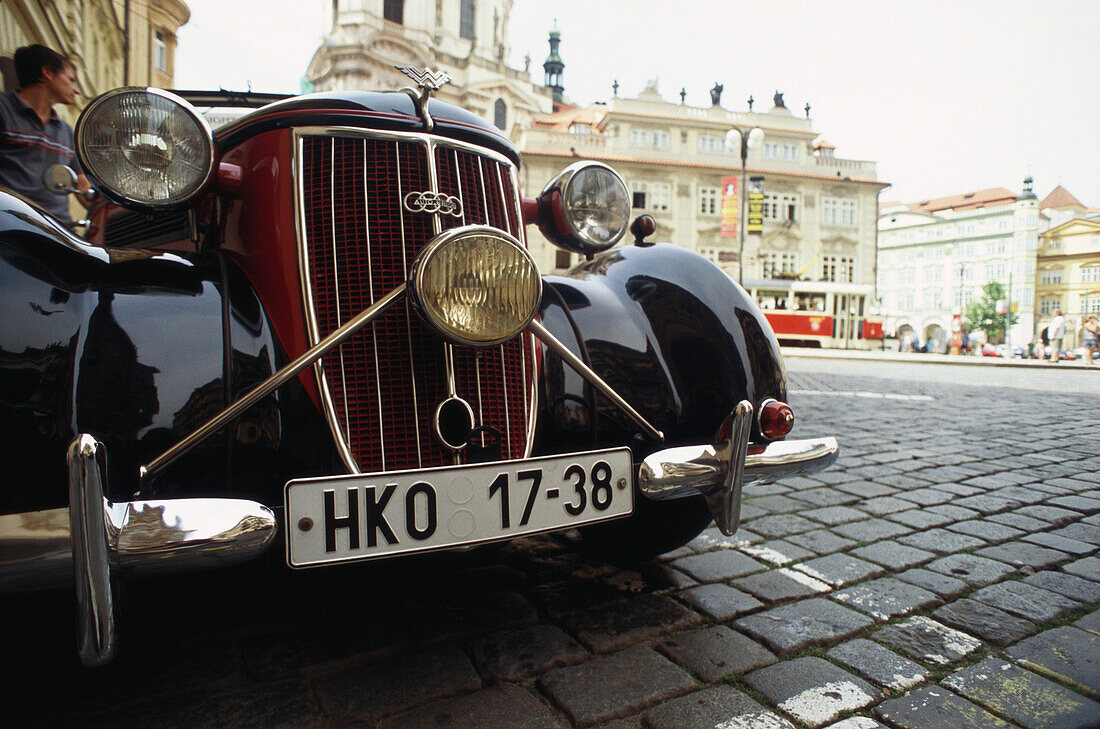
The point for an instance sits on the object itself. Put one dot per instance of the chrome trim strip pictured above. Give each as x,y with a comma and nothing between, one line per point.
595,380
336,275
504,376
373,330
310,313
87,462
408,312
272,383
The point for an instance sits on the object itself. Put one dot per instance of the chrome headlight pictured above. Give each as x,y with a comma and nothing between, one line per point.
585,209
476,285
145,147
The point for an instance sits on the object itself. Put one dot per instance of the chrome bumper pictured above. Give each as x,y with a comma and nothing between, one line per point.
94,539
719,470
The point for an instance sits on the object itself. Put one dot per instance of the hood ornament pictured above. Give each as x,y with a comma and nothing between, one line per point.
426,81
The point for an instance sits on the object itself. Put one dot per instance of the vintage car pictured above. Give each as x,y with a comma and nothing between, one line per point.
319,330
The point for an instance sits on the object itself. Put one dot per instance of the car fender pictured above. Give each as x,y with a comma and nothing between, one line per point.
669,331
134,347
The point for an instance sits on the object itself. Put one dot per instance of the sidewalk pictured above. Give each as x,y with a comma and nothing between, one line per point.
943,359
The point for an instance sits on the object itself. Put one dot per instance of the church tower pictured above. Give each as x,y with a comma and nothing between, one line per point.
555,68
467,39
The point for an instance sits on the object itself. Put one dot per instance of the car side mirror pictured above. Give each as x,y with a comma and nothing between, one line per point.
61,180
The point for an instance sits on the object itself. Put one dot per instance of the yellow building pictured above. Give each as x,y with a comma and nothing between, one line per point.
112,43
1068,275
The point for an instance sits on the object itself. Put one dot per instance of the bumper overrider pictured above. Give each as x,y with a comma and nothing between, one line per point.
95,539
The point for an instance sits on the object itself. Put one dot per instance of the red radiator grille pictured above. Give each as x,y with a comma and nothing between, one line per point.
385,383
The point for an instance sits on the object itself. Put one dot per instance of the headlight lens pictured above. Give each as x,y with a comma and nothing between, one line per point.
594,208
476,285
145,147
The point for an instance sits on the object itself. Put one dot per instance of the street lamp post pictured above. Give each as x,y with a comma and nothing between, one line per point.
752,140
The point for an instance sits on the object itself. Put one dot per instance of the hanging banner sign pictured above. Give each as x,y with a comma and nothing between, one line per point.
754,222
731,207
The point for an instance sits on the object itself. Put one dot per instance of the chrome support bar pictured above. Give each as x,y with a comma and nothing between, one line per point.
712,470
587,373
274,382
725,501
87,463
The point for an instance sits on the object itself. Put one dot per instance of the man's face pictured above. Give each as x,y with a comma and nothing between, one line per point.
62,84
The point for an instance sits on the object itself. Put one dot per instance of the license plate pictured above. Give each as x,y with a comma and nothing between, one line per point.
349,518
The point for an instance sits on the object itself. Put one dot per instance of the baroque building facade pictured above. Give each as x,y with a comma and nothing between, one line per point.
467,39
819,210
936,255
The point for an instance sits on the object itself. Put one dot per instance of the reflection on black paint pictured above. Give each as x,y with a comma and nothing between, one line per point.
116,395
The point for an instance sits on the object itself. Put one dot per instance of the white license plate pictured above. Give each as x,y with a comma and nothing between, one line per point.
348,518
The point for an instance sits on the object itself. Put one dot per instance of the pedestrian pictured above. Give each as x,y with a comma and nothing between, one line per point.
1092,338
1045,340
32,136
1056,332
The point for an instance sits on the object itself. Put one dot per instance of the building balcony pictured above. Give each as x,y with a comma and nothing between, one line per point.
845,167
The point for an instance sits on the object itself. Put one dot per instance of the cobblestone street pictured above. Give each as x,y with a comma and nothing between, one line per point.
944,573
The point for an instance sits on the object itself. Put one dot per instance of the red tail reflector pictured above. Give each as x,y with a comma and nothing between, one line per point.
776,419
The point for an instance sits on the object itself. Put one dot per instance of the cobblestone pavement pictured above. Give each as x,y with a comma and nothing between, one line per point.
944,573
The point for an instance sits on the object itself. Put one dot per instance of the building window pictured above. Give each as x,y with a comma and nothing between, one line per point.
1047,306
1090,304
394,11
579,128
710,144
771,150
708,200
1090,274
653,196
660,139
790,152
776,264
781,207
639,138
160,52
466,20
500,114
1051,276
835,211
837,268
995,271
1054,243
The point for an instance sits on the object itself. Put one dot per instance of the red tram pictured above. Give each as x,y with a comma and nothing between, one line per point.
818,313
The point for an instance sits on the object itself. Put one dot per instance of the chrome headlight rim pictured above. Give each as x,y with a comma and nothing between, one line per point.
206,139
432,249
556,225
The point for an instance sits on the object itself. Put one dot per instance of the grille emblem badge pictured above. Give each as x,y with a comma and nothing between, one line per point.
433,202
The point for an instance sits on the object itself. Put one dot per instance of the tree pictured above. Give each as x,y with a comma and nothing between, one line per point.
983,315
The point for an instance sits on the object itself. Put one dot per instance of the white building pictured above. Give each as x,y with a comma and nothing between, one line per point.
934,257
466,39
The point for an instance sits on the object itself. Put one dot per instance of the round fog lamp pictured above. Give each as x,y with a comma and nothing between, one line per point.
477,286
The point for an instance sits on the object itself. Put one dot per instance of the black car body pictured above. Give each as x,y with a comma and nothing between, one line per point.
328,338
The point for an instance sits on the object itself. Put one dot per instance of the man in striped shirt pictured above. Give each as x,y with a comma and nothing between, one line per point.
32,136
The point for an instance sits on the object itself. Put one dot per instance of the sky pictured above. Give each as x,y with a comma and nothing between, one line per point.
947,96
